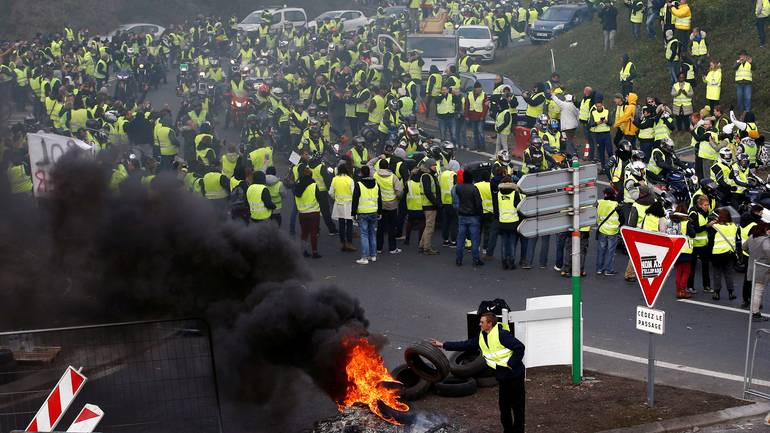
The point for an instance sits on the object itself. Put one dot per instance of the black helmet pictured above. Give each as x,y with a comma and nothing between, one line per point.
625,146
359,141
435,152
708,186
411,120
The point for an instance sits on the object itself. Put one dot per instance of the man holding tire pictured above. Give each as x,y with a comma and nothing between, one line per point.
504,353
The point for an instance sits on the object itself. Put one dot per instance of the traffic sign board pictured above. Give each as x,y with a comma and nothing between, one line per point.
650,320
544,204
556,223
87,419
653,255
58,401
548,181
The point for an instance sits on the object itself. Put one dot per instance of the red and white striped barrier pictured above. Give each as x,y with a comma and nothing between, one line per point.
58,401
87,419
586,150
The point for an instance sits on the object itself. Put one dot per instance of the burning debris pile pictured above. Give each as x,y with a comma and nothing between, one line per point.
359,419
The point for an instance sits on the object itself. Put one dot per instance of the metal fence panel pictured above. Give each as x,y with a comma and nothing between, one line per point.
154,376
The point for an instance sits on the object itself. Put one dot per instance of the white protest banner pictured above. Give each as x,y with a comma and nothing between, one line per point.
44,150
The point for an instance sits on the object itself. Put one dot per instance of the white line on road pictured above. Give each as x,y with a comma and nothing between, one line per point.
668,365
721,307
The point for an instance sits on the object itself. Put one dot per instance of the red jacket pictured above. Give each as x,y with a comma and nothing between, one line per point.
474,115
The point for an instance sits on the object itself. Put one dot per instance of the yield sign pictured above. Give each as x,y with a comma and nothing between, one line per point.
653,255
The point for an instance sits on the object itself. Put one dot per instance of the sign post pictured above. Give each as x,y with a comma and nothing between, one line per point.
554,205
652,255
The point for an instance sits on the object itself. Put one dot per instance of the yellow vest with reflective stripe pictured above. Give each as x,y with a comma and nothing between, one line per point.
706,151
713,84
641,211
318,178
375,116
682,100
256,206
307,203
214,190
597,116
651,223
476,103
228,166
652,166
699,48
626,71
485,191
446,181
612,224
261,156
745,233
446,104
743,176
687,247
499,122
585,109
20,181
359,158
722,245
414,196
638,16
343,189
367,201
275,196
701,238
508,211
385,183
535,110
669,50
493,351
743,73
162,141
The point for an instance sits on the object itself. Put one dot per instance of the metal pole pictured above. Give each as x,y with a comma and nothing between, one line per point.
577,349
651,373
748,332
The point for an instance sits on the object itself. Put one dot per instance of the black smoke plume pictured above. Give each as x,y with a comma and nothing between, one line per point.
86,255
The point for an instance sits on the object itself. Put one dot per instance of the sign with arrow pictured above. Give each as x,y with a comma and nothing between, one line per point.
556,223
554,202
549,181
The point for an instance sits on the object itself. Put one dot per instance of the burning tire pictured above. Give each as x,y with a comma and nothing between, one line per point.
427,361
455,387
415,387
466,364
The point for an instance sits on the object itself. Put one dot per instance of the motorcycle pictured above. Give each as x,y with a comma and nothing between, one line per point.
143,81
239,109
681,183
182,78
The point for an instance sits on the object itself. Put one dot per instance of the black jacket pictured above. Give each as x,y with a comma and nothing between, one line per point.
431,190
369,183
515,363
468,200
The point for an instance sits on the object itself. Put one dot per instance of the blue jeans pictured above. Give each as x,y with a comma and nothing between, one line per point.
446,126
744,97
544,242
468,226
673,71
605,253
510,239
650,23
604,146
492,241
477,126
561,242
459,137
367,225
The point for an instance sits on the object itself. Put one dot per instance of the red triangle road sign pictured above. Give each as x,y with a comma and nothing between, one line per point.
86,414
652,254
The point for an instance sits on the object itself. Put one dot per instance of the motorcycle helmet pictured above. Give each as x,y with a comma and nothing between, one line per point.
667,145
359,141
277,92
411,120
110,116
637,169
503,156
315,132
637,155
435,152
389,147
205,128
313,123
625,148
412,133
725,156
323,115
542,121
393,104
535,141
312,110
708,186
93,124
554,125
743,160
448,146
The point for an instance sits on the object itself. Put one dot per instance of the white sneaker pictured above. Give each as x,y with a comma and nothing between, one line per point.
373,258
362,261
396,251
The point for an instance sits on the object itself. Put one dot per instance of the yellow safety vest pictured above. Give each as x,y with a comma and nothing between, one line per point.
485,191
743,73
699,48
641,211
162,141
626,71
745,233
318,178
20,181
367,200
535,110
214,190
476,103
705,150
446,181
722,245
701,238
713,84
606,210
585,109
493,351
375,116
414,196
275,196
652,166
228,164
499,121
385,183
669,50
638,16
508,212
307,203
661,130
597,117
682,100
687,248
446,104
259,212
359,158
343,189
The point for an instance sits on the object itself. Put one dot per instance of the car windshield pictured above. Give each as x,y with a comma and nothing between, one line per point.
332,14
558,14
473,33
253,18
433,47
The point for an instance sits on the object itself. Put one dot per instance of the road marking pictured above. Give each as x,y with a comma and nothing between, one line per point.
489,155
721,307
671,366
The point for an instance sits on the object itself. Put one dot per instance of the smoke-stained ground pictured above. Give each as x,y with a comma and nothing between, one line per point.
88,256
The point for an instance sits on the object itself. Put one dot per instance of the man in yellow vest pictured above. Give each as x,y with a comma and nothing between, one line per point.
391,190
762,11
503,353
476,108
682,104
535,104
743,80
683,24
713,80
260,201
600,126
608,219
166,143
627,75
636,17
365,209
430,204
701,220
447,180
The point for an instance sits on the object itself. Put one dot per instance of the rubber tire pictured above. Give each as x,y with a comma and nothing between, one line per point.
466,364
434,355
455,387
414,387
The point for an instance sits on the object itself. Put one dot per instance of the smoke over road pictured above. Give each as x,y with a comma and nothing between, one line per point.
88,256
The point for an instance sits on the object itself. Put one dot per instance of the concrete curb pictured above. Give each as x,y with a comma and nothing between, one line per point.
701,420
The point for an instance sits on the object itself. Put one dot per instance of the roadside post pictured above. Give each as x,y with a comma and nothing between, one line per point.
554,204
652,255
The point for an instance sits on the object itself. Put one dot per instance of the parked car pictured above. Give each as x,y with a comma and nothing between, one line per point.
137,29
487,80
279,17
440,50
477,41
557,20
351,20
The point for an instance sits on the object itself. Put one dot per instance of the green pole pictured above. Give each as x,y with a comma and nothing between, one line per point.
577,348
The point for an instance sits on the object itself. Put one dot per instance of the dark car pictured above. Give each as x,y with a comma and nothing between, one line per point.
487,80
557,20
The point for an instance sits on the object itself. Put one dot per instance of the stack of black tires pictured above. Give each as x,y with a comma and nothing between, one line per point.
428,369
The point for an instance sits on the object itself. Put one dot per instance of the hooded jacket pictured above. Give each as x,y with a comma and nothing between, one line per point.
398,188
368,182
505,188
626,121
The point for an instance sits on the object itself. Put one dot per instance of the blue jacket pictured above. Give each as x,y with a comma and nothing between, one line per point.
515,364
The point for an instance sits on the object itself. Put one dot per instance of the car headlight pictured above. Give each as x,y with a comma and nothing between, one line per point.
559,27
490,46
238,104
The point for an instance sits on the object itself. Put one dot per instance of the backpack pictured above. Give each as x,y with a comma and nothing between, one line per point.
495,306
238,198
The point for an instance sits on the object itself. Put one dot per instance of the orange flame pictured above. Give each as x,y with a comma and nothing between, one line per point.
367,380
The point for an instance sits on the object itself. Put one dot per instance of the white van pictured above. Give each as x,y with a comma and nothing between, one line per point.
278,18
